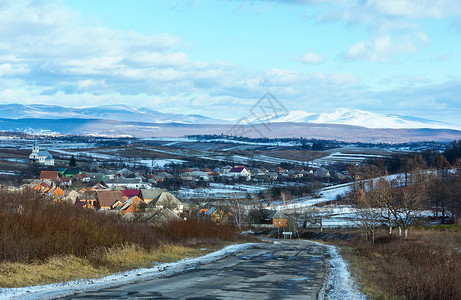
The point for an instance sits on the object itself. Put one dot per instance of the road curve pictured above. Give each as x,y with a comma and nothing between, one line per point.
286,269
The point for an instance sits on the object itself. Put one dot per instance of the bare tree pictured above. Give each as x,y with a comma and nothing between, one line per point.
238,211
314,216
368,212
409,199
383,194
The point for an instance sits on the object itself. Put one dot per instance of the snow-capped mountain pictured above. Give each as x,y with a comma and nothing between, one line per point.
107,112
125,113
354,117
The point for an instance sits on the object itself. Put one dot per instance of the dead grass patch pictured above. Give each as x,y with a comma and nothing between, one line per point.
116,259
428,266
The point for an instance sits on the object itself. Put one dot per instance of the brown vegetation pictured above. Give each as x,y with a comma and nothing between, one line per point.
428,266
34,228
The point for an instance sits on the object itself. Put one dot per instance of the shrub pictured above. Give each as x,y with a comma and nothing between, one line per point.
34,228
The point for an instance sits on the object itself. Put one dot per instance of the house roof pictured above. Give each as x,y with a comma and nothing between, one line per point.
150,194
44,153
131,193
280,215
210,211
108,198
238,169
163,216
71,172
163,199
48,174
123,180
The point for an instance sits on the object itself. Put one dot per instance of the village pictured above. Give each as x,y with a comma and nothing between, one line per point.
177,192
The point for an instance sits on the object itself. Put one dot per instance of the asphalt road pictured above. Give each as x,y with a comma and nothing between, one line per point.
287,269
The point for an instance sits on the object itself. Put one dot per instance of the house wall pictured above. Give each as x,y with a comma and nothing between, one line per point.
278,223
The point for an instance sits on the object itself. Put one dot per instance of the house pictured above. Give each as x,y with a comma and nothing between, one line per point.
89,198
96,176
71,197
162,176
279,219
132,205
129,183
199,175
71,172
48,175
272,175
186,176
107,199
65,180
124,172
150,194
61,170
162,217
131,193
42,157
225,169
322,172
215,214
82,177
167,200
240,171
56,192
280,170
259,174
98,186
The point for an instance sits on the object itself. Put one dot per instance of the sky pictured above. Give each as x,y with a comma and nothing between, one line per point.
217,58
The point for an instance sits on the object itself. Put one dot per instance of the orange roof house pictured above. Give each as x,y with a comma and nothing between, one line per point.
132,205
57,192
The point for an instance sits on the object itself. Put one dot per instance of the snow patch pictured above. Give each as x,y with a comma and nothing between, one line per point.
339,283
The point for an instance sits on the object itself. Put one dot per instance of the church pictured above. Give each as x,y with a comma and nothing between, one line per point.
42,157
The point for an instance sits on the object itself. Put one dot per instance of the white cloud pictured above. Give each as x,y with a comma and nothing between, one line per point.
415,9
385,49
311,58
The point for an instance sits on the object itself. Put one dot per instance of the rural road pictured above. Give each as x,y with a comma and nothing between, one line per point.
287,269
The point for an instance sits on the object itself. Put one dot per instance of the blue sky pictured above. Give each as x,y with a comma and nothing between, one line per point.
218,57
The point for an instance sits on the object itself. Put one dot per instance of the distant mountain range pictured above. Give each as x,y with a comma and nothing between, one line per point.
120,120
356,117
106,112
125,113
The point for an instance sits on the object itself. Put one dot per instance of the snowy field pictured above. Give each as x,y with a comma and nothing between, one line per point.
220,191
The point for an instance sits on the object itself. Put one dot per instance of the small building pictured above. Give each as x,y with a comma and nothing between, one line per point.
240,171
107,199
48,175
71,172
42,157
280,220
150,194
167,200
162,217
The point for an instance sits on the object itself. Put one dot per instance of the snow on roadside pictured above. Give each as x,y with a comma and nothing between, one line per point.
83,285
339,283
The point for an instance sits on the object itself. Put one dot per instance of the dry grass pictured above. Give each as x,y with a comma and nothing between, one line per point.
43,242
428,266
65,268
